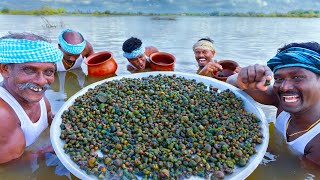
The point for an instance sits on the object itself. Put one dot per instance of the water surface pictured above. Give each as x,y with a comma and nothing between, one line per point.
245,40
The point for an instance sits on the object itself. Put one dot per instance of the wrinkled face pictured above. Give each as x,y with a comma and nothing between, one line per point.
203,56
28,82
298,89
70,58
139,62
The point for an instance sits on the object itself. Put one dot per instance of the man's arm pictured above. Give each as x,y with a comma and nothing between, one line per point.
150,50
252,80
49,112
12,139
311,158
211,67
266,97
88,50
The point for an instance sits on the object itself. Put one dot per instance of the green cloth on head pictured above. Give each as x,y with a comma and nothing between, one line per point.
296,57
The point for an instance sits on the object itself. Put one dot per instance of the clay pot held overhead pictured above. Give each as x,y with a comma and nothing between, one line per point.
228,66
162,61
101,64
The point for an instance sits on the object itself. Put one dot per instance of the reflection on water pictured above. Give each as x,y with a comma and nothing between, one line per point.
246,40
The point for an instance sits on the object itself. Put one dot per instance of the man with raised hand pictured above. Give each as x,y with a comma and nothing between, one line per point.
295,92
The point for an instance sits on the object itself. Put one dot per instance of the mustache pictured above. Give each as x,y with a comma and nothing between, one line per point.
288,92
29,85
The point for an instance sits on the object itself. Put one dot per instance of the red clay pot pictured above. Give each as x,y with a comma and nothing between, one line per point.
228,66
162,61
101,64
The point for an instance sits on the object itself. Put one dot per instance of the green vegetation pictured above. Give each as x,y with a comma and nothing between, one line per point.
46,10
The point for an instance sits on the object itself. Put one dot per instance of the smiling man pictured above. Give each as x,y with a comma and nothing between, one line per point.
27,66
295,92
204,51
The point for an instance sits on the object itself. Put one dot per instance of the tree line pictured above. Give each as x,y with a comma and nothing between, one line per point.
46,10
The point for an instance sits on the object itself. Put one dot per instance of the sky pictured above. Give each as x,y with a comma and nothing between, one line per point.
167,6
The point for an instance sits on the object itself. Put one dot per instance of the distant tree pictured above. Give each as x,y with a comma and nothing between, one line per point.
5,10
45,10
60,10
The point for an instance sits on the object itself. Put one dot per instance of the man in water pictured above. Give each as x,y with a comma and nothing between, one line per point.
137,54
204,51
75,48
295,92
27,67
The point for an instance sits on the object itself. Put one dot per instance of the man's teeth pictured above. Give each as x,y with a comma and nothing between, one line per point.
37,89
291,99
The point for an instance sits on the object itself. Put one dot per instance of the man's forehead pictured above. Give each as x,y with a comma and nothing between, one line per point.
292,70
69,54
202,50
34,64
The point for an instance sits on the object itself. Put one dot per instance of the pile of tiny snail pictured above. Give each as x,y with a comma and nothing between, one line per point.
159,127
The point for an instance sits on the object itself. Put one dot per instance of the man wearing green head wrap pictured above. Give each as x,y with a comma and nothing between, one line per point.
295,93
75,48
27,65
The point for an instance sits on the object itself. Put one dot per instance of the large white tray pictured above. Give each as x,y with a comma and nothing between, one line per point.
250,105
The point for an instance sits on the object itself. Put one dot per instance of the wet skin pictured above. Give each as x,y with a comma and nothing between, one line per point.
203,56
139,62
37,74
296,88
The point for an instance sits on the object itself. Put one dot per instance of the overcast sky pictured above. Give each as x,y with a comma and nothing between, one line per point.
167,6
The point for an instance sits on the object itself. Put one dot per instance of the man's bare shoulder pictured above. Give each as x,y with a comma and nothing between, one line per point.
11,136
8,119
88,50
312,150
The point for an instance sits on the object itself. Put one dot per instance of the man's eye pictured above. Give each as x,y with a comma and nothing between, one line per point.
277,79
298,77
49,72
28,70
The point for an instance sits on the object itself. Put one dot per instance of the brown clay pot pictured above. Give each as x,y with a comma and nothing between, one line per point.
228,66
162,61
101,64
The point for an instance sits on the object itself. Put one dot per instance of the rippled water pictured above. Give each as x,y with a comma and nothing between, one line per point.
246,40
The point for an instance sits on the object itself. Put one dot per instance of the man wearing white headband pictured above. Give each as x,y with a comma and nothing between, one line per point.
204,51
27,65
75,48
137,54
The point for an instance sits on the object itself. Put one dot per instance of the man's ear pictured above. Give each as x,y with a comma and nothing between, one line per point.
4,70
213,52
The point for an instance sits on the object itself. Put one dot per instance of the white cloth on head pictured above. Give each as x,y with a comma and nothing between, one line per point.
77,64
30,130
298,145
204,44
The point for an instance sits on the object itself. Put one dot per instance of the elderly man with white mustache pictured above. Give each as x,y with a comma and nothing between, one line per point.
27,64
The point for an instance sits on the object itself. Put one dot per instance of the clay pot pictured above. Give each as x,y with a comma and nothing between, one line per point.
101,64
228,66
162,61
